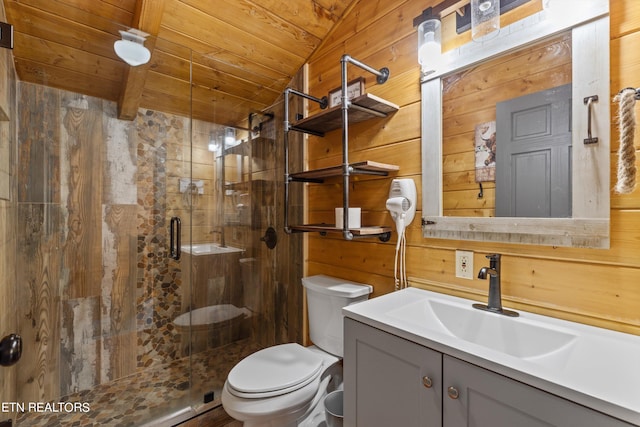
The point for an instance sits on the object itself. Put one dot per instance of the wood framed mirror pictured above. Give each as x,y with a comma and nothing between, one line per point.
451,209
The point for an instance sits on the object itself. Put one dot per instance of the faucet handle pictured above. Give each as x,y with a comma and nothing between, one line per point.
494,261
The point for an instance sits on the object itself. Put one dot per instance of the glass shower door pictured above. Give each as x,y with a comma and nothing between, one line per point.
97,291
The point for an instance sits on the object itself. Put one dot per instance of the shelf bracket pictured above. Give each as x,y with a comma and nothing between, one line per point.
385,237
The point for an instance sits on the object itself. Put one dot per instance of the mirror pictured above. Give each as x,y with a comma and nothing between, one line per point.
459,118
521,103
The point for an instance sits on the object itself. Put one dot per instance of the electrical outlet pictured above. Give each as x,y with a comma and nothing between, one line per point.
464,264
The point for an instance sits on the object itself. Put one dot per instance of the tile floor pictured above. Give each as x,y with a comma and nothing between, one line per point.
138,399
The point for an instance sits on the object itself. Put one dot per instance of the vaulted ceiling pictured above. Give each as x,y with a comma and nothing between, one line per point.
216,60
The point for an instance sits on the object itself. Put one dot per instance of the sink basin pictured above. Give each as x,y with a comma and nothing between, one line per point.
515,336
519,337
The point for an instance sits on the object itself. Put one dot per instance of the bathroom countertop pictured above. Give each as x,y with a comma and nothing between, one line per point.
600,368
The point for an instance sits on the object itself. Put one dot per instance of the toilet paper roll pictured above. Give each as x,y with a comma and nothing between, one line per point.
354,217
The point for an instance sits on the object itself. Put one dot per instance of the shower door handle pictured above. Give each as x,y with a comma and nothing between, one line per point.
175,230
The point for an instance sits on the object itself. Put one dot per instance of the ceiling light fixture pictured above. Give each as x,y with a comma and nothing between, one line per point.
131,48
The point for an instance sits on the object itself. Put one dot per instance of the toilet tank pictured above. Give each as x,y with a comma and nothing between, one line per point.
326,296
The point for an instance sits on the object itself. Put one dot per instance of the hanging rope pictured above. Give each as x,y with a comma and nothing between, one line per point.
626,99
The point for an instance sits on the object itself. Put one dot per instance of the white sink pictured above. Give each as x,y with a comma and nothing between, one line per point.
590,365
517,336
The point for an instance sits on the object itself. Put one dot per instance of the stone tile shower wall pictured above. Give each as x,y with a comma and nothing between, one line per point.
97,290
159,298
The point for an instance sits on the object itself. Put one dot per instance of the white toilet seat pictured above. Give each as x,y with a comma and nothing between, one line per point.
289,387
285,405
274,371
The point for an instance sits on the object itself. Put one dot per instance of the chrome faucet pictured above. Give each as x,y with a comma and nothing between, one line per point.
495,295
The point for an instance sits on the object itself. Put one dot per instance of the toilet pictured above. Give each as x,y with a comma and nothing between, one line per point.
280,386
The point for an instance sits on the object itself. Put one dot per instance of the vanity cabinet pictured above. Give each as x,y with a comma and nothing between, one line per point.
391,381
485,398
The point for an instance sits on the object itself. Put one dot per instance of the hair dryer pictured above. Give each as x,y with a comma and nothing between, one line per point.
402,202
402,207
398,207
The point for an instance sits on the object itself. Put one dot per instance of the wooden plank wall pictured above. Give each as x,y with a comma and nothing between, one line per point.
598,287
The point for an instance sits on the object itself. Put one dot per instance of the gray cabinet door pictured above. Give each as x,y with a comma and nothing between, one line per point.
533,155
384,380
487,399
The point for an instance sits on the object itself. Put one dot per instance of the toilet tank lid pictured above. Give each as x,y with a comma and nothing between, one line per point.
335,286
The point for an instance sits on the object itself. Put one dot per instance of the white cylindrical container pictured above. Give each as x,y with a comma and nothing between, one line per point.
334,408
354,217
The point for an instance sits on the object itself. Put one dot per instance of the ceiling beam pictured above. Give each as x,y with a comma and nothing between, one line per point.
147,18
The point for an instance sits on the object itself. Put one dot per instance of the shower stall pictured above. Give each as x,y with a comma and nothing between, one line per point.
142,273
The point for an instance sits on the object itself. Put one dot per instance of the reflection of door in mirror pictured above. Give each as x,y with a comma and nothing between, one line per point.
533,164
469,99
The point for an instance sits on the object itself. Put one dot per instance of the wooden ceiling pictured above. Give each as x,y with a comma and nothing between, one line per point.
239,54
